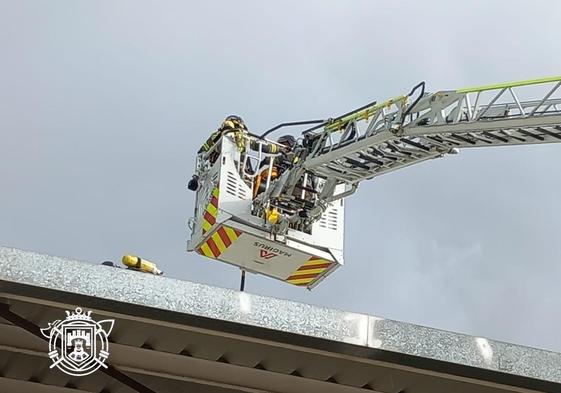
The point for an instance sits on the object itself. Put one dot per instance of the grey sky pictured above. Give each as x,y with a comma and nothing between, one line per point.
103,105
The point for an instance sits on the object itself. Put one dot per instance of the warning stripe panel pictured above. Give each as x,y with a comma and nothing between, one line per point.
309,271
211,211
300,273
210,218
206,226
213,247
224,236
315,266
205,250
300,282
232,233
219,242
298,276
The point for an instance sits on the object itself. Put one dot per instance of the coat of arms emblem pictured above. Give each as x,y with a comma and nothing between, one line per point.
78,345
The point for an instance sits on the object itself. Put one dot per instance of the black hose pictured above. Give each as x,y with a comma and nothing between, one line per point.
408,110
323,123
292,123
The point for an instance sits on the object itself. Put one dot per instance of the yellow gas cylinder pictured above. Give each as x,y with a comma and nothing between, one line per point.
143,265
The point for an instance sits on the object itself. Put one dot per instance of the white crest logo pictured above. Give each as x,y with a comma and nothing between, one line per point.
78,345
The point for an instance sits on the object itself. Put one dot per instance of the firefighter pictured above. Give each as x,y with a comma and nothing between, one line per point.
232,124
287,158
281,163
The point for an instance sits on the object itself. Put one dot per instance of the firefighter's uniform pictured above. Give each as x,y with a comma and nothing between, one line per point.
235,126
232,124
282,162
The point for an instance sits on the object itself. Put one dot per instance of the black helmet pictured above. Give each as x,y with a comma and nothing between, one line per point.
235,118
287,140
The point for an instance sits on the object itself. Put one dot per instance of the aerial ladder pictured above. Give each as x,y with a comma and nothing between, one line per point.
293,228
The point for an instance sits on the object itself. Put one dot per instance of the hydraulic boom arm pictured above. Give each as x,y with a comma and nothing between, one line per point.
384,137
397,135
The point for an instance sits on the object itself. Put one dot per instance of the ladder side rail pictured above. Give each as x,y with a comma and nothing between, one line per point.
552,120
378,117
434,130
456,100
351,177
549,94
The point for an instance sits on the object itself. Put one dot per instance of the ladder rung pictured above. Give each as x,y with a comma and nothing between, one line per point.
438,140
382,154
541,129
397,150
494,136
357,163
528,133
368,158
415,144
343,170
509,134
480,138
463,139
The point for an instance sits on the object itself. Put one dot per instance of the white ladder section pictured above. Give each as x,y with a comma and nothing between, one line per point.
395,134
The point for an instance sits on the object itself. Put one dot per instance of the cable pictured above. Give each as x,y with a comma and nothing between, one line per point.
292,123
408,110
323,123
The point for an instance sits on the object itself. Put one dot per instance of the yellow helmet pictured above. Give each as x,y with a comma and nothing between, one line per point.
234,121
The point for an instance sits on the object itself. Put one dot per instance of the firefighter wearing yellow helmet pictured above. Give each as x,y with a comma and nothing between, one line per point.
232,123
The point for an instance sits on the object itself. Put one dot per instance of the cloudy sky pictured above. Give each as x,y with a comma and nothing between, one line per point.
103,105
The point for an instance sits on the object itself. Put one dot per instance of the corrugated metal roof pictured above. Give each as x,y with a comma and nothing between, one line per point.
179,336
